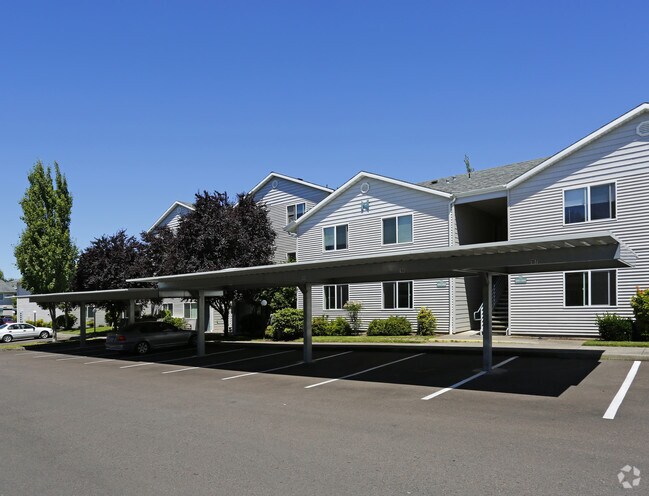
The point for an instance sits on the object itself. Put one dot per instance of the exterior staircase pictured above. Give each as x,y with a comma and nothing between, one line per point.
500,314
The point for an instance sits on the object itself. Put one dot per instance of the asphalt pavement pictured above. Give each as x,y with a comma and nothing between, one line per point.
256,421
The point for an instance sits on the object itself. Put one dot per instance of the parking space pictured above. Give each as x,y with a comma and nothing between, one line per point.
586,386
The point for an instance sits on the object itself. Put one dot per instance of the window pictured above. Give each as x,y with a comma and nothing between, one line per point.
294,212
291,257
168,307
191,311
397,229
397,295
336,296
90,312
590,288
589,203
335,237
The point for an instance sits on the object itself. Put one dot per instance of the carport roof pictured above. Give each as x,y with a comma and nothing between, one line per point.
597,250
122,294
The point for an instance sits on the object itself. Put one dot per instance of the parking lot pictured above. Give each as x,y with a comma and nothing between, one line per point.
256,420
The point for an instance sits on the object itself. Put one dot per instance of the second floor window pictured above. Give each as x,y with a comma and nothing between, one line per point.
336,296
397,229
335,237
589,203
294,212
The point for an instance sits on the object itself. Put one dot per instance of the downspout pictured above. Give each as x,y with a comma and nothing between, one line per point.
451,282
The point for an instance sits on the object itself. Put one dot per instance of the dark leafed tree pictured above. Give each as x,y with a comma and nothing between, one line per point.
221,234
158,256
106,264
45,254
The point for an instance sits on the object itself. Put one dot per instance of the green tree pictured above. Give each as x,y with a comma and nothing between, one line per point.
2,276
45,254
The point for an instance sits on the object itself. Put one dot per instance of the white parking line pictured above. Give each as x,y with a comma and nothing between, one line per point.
43,356
468,379
101,361
284,367
619,397
226,363
178,359
363,371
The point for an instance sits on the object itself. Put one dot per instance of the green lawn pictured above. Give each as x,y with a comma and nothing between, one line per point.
89,330
624,344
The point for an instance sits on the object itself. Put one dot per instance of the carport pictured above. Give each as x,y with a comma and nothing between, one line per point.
596,250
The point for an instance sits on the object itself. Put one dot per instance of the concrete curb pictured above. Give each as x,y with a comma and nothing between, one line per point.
590,353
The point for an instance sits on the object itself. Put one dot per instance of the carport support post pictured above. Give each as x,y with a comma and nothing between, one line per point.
307,307
82,324
131,311
200,324
487,303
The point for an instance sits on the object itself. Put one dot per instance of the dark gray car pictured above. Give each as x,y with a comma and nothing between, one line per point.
143,337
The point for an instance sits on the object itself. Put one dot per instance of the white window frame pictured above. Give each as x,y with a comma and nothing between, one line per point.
396,217
295,205
90,312
396,295
590,289
335,226
587,187
172,308
288,258
337,303
191,305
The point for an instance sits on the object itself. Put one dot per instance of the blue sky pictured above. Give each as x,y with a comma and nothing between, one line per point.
144,103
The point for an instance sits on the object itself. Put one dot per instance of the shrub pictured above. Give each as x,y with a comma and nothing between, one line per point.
612,327
426,322
321,326
392,326
65,321
287,324
353,310
376,328
178,322
340,327
39,323
640,305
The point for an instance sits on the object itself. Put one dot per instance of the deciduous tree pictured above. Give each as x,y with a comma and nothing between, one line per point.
45,254
106,264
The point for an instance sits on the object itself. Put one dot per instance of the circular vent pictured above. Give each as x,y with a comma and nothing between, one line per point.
274,184
643,129
365,187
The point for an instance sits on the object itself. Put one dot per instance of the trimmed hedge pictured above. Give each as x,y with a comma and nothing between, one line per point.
392,326
612,327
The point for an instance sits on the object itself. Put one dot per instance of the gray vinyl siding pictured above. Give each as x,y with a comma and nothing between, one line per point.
536,209
430,229
277,199
172,220
425,294
25,311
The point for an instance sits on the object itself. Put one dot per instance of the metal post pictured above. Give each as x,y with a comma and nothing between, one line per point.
131,311
487,304
307,307
82,324
200,324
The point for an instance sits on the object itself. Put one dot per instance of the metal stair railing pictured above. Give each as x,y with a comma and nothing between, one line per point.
498,288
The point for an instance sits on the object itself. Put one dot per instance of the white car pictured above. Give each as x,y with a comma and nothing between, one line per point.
9,332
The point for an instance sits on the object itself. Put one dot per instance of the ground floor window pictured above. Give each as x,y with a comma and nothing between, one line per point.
168,307
191,311
397,295
336,296
590,288
90,312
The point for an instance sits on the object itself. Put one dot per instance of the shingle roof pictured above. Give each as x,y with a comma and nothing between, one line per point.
8,287
481,179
